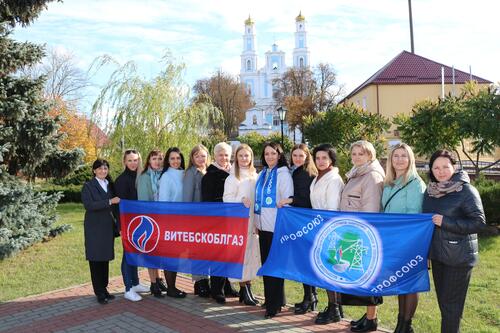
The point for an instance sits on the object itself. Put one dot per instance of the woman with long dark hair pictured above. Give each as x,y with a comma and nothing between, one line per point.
98,227
403,194
326,189
274,183
171,190
303,173
458,217
125,188
148,190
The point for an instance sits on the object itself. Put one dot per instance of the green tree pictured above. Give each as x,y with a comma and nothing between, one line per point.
256,142
26,217
25,122
469,122
146,114
343,124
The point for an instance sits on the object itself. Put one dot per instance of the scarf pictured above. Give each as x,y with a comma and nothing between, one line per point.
265,189
440,189
218,166
155,182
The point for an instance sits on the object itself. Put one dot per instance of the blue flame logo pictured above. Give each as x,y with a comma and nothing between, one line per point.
143,233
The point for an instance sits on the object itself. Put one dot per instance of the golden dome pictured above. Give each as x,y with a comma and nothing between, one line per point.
300,17
249,21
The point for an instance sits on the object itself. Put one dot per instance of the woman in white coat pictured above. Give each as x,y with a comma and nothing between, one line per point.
326,191
239,187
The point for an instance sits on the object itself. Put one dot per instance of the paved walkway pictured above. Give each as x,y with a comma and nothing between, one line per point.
75,310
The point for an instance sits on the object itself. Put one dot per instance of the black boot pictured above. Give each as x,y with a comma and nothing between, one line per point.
229,291
329,315
341,311
249,288
357,322
400,322
245,296
161,284
406,327
308,304
368,325
155,290
201,288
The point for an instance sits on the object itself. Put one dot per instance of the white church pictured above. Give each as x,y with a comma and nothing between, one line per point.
263,118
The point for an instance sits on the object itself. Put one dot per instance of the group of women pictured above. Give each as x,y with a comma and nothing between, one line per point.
313,181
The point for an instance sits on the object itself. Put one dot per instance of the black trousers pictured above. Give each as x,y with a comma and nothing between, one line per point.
274,288
451,285
99,273
217,285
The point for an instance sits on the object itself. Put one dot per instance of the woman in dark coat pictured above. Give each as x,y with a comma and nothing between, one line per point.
98,225
212,190
303,173
458,217
125,188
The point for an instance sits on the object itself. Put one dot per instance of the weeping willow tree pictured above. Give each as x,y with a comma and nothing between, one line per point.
144,114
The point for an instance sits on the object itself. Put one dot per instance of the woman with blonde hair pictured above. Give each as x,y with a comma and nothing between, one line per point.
199,159
362,193
403,194
148,185
239,187
303,173
125,188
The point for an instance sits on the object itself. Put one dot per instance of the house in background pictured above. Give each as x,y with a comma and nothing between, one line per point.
404,81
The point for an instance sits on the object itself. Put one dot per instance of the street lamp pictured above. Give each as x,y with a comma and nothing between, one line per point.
282,113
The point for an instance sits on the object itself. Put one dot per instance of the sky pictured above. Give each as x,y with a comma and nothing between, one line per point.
357,37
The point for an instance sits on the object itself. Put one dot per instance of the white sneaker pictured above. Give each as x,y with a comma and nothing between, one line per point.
140,289
132,296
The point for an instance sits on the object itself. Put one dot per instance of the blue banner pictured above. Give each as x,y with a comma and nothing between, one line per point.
364,254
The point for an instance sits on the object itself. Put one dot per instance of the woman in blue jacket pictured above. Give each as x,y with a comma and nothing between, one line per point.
403,194
171,190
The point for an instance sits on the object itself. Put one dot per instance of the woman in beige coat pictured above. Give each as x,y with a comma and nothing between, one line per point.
362,193
240,187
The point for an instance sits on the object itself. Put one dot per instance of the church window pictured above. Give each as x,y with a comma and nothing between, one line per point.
301,42
249,44
248,31
301,62
254,120
249,65
275,66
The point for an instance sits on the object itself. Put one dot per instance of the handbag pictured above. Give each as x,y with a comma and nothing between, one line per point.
348,299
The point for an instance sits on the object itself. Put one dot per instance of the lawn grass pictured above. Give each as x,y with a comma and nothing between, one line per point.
61,263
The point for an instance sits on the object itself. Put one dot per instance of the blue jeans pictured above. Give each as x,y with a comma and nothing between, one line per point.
130,275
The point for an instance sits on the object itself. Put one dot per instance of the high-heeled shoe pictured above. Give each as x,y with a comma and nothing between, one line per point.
249,288
270,314
357,322
245,296
229,291
155,290
368,325
161,284
176,293
329,315
306,305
